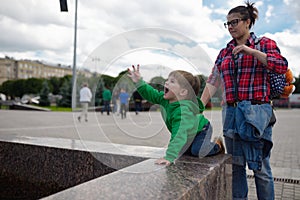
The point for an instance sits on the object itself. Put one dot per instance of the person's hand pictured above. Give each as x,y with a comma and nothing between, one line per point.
162,161
135,73
244,49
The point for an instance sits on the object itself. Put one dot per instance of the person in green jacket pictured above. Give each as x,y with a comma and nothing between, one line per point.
106,96
182,113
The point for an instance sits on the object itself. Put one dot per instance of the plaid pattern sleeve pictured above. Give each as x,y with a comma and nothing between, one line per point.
276,62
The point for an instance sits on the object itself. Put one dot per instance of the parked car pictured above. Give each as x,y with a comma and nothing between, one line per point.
292,102
146,106
295,100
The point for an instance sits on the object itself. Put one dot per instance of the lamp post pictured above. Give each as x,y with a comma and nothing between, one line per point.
74,61
64,8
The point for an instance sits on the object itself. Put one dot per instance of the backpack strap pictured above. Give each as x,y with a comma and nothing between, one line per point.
257,43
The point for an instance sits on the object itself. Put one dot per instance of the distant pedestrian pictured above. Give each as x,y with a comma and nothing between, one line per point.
85,99
137,102
116,101
106,96
124,98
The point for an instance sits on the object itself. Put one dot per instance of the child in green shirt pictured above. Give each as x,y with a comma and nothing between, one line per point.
182,112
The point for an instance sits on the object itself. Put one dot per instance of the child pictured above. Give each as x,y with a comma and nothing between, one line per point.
182,113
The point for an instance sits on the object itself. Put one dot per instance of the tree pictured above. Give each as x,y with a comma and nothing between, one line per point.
18,88
7,88
33,86
108,80
158,83
44,99
66,94
297,85
54,85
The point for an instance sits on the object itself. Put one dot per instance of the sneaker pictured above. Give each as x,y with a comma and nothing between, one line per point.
78,119
86,120
219,141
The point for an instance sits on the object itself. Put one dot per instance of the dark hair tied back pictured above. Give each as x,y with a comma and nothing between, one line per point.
253,12
246,12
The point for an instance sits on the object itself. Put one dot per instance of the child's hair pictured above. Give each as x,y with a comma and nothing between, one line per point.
187,81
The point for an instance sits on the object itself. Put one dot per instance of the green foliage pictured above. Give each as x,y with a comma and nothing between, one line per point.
63,86
158,83
98,93
66,93
33,85
297,85
44,99
7,88
15,88
54,85
108,80
122,73
58,109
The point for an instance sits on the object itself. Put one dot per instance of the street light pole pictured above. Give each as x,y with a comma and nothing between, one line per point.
74,61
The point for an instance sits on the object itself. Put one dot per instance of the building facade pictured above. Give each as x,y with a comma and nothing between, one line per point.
11,69
7,70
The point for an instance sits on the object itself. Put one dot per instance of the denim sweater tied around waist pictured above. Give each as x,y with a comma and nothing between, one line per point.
255,132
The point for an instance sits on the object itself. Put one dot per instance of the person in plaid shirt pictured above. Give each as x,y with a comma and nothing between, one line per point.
242,72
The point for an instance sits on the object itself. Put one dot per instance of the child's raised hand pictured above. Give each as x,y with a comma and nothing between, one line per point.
135,73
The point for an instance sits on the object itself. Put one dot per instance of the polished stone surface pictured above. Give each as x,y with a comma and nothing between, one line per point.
54,168
30,171
189,178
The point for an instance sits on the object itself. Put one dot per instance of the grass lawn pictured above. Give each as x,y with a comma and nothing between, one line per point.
58,109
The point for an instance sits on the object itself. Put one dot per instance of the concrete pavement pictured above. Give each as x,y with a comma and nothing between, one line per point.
147,129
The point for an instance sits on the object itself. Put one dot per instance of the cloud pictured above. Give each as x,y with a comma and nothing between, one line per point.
289,44
38,30
161,47
293,7
268,14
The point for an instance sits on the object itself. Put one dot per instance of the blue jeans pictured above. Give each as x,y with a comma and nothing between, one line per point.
263,178
138,106
202,145
106,106
123,110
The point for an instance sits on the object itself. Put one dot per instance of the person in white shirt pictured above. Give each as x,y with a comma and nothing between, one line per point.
85,99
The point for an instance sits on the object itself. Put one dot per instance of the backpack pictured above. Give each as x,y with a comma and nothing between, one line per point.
277,81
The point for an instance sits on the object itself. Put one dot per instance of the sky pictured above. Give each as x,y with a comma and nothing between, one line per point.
159,35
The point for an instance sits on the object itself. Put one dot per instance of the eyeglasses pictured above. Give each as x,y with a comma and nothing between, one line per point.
233,22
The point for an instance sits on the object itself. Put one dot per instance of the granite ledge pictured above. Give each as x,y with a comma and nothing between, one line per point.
190,178
122,175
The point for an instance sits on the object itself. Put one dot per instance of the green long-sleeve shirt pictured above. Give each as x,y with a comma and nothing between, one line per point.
106,94
184,118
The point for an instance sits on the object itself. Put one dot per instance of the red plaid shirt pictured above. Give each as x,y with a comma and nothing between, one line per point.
252,78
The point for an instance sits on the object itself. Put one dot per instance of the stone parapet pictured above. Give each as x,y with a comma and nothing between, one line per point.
53,168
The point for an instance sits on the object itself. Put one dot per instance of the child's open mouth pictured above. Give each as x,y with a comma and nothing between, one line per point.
166,90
